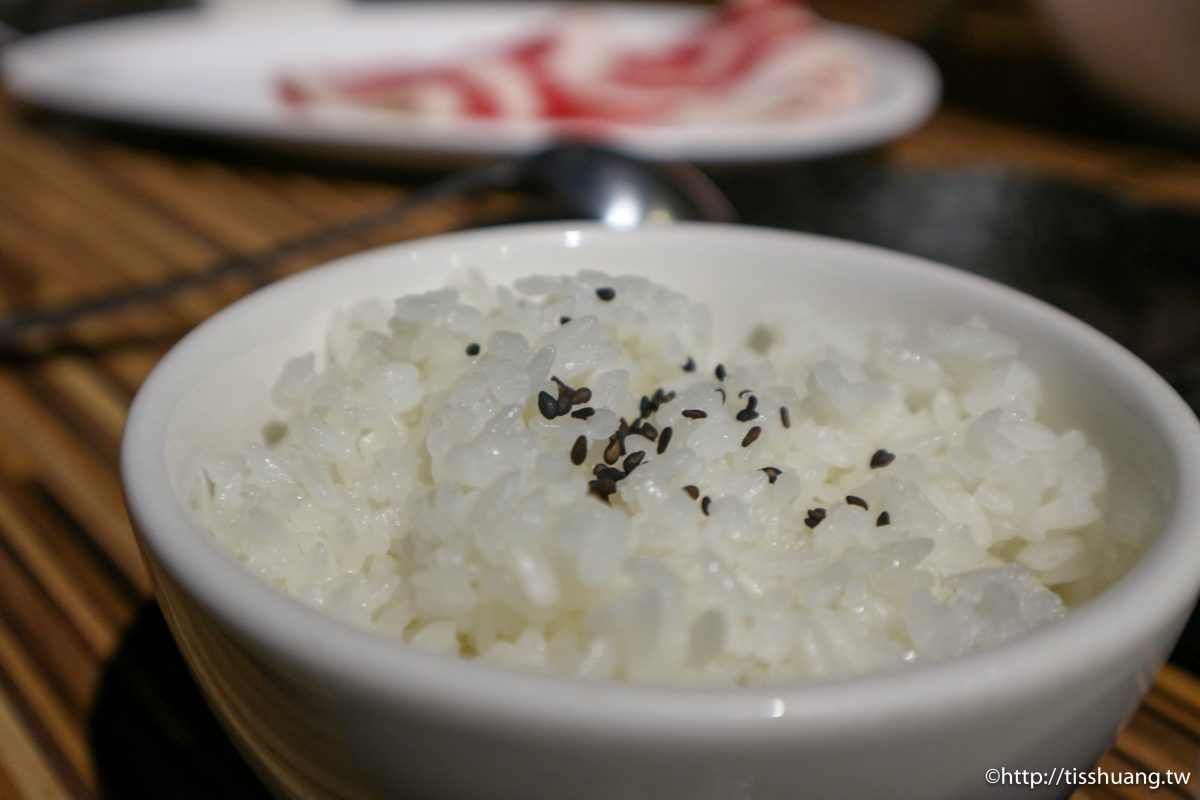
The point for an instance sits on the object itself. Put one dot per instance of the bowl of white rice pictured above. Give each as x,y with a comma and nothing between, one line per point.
692,511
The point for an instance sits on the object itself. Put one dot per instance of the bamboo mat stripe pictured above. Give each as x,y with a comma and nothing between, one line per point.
24,767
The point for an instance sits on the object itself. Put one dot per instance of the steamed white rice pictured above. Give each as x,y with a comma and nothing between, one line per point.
418,491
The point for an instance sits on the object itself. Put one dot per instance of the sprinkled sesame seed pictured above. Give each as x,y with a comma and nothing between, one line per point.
547,405
747,414
581,395
883,519
814,518
689,365
692,491
745,392
694,413
565,394
751,436
705,503
720,372
881,458
632,460
610,474
596,469
857,501
602,488
563,320
579,451
785,416
664,439
773,473
649,431
606,293
612,452
722,391
646,406
473,349
583,413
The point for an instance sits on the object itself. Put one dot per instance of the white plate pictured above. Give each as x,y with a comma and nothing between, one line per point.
213,72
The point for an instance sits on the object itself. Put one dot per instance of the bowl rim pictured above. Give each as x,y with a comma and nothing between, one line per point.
1120,623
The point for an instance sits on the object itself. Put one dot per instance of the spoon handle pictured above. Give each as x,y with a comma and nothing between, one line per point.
18,328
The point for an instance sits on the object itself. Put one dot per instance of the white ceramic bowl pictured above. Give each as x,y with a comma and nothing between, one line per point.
325,710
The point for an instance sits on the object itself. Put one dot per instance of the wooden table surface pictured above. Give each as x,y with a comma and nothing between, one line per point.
86,210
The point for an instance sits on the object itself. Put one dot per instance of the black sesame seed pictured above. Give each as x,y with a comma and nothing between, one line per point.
632,460
646,407
811,522
883,519
612,452
579,451
692,491
610,474
583,413
473,349
747,414
857,501
664,439
563,320
722,391
745,392
564,391
785,417
596,469
694,413
581,395
606,293
814,518
602,488
881,458
547,405
773,473
751,436
622,430
668,397
689,365
705,503
564,406
720,372
649,431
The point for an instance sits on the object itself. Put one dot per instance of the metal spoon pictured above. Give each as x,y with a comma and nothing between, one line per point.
604,185
590,182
